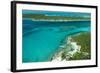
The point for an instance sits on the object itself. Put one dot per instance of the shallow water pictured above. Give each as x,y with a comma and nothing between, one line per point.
41,39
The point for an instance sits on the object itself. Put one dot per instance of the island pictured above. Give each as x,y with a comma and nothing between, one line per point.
44,17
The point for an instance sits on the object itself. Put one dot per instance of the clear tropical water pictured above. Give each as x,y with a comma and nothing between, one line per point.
41,39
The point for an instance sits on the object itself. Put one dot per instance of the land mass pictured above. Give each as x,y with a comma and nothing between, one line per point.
77,47
43,17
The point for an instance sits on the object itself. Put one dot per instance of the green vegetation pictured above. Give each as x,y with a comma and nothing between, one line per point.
84,40
44,17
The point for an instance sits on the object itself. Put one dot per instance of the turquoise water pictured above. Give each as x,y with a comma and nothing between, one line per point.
41,39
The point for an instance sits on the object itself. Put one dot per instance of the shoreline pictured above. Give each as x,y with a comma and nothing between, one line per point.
70,50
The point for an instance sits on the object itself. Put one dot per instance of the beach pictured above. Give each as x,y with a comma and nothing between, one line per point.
73,49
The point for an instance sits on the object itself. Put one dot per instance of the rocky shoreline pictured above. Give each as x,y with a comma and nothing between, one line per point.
67,50
72,50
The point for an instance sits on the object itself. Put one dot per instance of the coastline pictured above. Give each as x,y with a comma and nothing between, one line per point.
71,50
66,50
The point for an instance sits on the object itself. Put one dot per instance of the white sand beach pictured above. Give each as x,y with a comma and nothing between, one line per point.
73,48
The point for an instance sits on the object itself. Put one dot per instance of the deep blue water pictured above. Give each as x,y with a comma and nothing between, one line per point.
41,39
